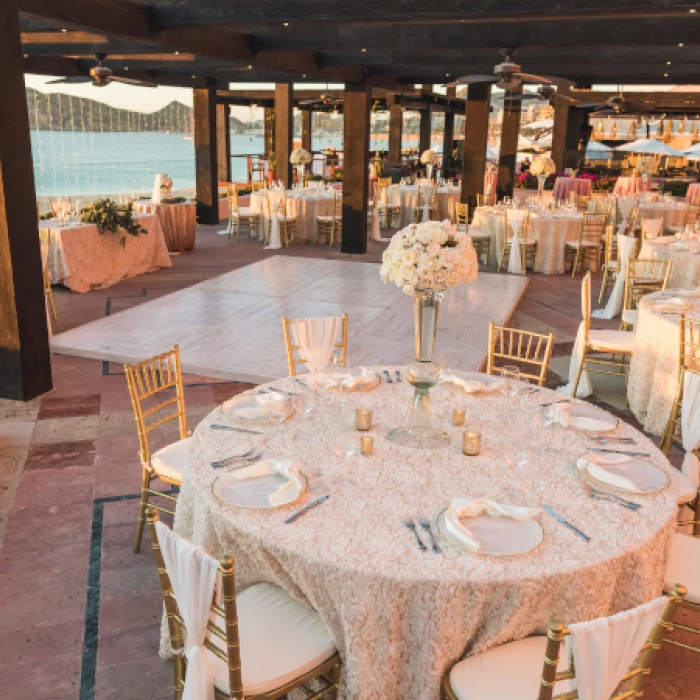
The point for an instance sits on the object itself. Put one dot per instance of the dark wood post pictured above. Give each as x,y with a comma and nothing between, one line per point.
424,130
395,129
561,118
476,131
570,124
25,360
269,130
448,136
357,109
284,123
307,117
509,145
205,155
223,143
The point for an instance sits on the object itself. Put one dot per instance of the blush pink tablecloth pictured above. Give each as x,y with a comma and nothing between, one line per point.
179,222
626,186
693,192
565,185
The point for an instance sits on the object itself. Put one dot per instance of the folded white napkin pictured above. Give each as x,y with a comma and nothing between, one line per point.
672,305
471,386
559,413
267,406
595,465
464,508
286,492
353,382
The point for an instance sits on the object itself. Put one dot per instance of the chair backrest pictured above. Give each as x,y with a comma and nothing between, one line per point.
592,228
425,194
581,201
233,204
461,215
643,277
586,303
223,619
258,185
512,345
638,673
610,243
485,200
150,379
338,204
522,231
293,349
381,192
384,181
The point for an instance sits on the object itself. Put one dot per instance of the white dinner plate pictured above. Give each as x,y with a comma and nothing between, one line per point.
332,381
253,493
235,408
646,477
585,410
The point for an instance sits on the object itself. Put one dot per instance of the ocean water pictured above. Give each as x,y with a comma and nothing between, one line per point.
75,163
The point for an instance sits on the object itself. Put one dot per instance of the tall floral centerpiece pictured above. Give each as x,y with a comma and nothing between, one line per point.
430,160
299,158
424,260
645,167
542,167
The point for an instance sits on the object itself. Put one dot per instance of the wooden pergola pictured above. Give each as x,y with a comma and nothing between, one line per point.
376,51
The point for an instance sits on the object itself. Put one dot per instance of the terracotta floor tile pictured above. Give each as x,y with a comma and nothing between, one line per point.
61,455
133,580
36,643
69,407
128,645
129,680
42,679
72,557
131,611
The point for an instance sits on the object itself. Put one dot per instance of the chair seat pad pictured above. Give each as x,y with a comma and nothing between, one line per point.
286,219
630,316
612,341
329,219
523,241
687,490
280,640
582,244
172,460
684,566
476,233
248,213
509,672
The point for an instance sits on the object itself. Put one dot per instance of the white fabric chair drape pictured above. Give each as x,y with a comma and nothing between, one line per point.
584,385
193,575
316,338
690,425
376,229
516,218
652,227
275,241
625,247
626,205
604,649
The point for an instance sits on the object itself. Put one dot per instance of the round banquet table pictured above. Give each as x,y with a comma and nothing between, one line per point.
564,186
684,253
672,213
653,377
306,206
400,617
178,220
406,196
550,230
626,186
693,192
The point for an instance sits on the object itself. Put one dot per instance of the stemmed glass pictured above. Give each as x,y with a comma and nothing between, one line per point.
511,381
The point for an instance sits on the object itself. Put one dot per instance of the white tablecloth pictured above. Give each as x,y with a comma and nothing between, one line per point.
653,378
685,255
550,231
179,222
672,213
400,617
406,196
82,258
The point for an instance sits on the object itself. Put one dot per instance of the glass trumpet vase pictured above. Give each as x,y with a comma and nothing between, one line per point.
423,374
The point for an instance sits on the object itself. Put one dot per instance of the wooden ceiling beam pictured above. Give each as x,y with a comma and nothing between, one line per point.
53,65
60,38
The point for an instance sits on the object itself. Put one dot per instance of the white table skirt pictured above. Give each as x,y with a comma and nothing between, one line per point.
178,220
686,263
672,214
407,198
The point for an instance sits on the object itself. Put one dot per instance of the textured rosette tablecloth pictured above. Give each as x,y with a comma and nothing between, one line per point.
653,378
81,258
685,255
406,196
179,222
672,213
400,617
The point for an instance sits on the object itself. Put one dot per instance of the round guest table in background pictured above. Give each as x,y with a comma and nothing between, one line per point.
631,185
406,196
564,186
179,222
399,616
673,213
685,255
693,192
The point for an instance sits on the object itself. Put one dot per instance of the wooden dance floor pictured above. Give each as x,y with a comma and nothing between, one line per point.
229,326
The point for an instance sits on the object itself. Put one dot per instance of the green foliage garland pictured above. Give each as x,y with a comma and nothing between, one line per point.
112,217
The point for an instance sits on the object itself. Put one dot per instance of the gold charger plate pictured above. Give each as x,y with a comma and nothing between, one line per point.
250,401
257,482
657,472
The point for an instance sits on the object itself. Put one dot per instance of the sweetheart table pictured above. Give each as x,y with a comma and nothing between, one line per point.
178,219
400,616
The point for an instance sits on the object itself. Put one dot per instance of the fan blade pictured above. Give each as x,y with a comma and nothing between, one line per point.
130,81
72,79
309,102
530,78
558,80
566,98
595,105
524,96
469,79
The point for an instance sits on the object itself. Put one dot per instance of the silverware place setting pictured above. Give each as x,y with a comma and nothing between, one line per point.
398,375
307,508
566,523
389,380
247,458
411,525
610,497
218,426
425,524
619,452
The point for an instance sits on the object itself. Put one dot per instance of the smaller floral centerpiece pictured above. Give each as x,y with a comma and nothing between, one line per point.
646,165
112,217
299,158
542,167
430,159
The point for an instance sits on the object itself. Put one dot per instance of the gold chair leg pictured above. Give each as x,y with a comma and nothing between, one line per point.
573,269
145,486
502,258
604,285
523,258
578,373
52,306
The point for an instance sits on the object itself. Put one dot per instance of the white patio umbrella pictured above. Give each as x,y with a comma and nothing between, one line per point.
692,150
633,146
598,146
652,147
540,124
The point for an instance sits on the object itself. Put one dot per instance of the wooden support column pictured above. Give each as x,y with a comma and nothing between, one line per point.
269,130
284,102
424,130
510,130
223,142
476,131
569,122
357,109
448,136
205,154
395,129
307,118
25,360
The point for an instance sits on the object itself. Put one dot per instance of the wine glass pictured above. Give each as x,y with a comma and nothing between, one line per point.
511,381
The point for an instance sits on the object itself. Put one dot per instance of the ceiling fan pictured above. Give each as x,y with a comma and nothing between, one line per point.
508,76
545,93
325,99
101,76
617,104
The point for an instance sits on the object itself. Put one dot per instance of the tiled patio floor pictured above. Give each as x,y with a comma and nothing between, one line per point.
79,612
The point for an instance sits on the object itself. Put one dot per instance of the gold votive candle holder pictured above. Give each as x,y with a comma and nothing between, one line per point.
366,445
471,443
363,419
458,416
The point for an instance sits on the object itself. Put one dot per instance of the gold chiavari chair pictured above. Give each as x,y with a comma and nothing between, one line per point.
389,214
599,342
646,230
692,215
241,216
245,624
684,220
292,348
642,277
486,200
581,201
425,194
384,181
589,243
459,215
491,675
611,266
288,224
333,223
512,345
45,241
528,246
148,381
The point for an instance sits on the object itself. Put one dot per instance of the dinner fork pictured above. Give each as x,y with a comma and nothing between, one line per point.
612,498
408,522
389,380
249,457
398,375
425,524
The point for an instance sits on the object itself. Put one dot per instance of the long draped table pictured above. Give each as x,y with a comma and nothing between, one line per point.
400,617
81,258
179,222
684,253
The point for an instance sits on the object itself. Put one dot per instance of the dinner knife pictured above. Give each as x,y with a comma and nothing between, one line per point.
311,505
566,523
217,426
619,452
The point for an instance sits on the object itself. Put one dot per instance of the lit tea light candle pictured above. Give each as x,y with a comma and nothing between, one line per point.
366,445
363,419
458,416
471,443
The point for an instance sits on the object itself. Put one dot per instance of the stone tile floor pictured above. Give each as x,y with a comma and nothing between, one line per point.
79,611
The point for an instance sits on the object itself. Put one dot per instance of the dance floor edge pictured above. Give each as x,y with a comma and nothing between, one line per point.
229,327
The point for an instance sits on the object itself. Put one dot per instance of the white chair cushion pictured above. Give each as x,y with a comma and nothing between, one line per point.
684,566
509,672
172,461
329,219
286,219
248,212
280,640
612,341
583,244
687,490
630,316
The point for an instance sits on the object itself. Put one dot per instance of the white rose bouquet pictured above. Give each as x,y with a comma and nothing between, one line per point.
300,156
646,164
430,255
429,158
542,165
